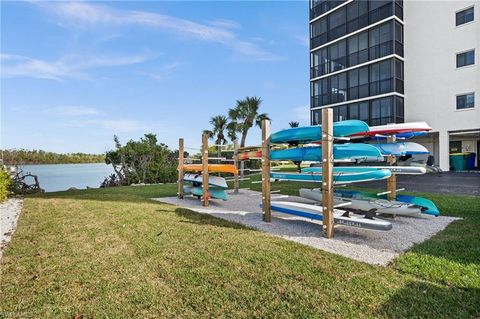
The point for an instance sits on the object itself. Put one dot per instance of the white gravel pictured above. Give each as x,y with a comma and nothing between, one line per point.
373,247
9,213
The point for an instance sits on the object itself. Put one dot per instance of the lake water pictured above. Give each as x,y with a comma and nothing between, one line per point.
60,177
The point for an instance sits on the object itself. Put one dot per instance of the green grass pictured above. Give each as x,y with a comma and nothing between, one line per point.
113,253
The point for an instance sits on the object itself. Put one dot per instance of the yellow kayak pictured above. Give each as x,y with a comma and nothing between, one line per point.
212,168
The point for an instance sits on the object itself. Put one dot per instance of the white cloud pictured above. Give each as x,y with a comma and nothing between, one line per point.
225,23
120,126
68,66
303,40
84,15
302,114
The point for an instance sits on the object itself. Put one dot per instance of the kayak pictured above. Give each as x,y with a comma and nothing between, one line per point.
339,177
393,129
371,205
399,170
212,168
213,192
401,148
340,217
340,152
314,133
250,155
215,181
429,207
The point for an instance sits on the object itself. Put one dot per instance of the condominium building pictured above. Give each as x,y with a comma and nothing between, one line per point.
399,61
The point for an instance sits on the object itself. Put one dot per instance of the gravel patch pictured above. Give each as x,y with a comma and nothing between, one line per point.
373,247
9,213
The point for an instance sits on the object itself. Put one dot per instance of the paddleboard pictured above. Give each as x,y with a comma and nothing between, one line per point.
393,129
215,181
399,170
314,133
401,148
213,192
378,206
340,217
354,152
212,168
339,177
429,207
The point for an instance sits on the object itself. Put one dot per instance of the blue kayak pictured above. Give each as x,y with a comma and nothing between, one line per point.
340,152
198,191
314,133
406,135
429,207
339,177
401,148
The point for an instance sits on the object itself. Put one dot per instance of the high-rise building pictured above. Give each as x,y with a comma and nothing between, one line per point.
399,61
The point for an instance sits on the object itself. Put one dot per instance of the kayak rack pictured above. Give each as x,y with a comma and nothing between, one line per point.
204,159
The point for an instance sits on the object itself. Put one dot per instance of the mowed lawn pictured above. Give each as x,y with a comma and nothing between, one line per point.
114,253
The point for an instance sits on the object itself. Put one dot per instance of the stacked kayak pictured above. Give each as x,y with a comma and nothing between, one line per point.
353,152
307,134
217,186
340,175
399,170
212,168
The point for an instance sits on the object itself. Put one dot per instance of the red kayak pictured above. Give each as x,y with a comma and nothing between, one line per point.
393,129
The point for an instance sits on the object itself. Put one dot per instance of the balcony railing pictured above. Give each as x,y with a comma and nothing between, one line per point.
324,6
358,23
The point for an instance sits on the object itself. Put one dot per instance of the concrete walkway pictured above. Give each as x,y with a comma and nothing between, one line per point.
444,183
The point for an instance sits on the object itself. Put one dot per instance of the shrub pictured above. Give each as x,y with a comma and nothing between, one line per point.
5,184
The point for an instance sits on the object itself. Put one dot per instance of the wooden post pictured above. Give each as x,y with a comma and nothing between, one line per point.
327,170
392,180
181,172
236,182
267,213
205,169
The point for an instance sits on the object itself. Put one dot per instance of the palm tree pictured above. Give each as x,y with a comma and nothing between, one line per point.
219,125
232,131
293,124
245,115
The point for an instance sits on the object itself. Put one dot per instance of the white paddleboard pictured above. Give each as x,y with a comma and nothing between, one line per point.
215,181
340,217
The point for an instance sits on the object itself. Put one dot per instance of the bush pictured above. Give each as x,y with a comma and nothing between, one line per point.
5,184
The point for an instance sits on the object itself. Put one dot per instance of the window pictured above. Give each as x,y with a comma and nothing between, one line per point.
464,16
465,101
465,58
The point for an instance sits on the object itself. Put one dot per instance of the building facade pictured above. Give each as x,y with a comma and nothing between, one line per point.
399,61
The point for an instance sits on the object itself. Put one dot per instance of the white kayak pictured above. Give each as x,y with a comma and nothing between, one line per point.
376,206
215,181
399,170
340,217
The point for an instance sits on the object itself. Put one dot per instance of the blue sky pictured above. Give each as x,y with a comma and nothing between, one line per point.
73,74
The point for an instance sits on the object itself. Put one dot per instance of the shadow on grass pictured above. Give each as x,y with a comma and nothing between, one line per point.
193,217
424,300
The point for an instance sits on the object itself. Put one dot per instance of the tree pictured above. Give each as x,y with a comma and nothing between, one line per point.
245,114
293,124
144,161
219,125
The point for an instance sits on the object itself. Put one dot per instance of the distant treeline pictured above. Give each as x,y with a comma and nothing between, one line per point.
21,156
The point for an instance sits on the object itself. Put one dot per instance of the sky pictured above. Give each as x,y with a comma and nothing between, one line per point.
73,74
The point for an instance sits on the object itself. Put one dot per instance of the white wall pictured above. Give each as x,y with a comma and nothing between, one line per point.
431,78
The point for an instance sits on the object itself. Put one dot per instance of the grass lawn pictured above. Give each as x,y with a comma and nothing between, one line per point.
113,253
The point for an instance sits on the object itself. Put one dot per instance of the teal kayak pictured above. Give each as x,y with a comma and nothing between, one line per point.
401,148
339,177
314,133
399,170
198,191
364,152
429,207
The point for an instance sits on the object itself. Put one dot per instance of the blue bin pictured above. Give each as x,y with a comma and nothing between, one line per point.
470,161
